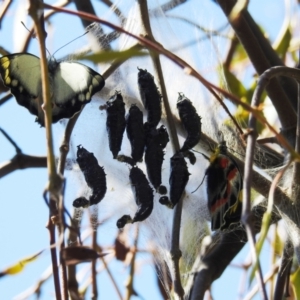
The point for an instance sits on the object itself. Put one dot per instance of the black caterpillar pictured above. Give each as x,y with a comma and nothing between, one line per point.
150,97
115,122
135,132
156,141
192,124
179,177
94,176
143,198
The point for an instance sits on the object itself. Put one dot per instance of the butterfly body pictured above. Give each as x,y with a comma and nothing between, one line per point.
224,187
71,84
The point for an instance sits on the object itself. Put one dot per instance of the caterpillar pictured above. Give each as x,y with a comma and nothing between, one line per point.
224,189
115,122
156,140
178,180
191,122
94,175
135,132
150,97
143,198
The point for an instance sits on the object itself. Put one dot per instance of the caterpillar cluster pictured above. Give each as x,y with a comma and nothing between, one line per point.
147,140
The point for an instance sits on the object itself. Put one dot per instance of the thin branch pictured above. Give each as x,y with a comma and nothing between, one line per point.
129,286
5,98
268,276
17,148
284,270
22,161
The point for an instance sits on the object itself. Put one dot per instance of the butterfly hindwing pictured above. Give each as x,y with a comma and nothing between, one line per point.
224,187
71,84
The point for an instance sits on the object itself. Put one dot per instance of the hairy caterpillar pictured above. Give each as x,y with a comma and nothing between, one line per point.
115,122
143,198
135,132
192,123
179,177
150,97
94,175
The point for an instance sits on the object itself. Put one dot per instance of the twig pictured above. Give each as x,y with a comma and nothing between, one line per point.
55,180
94,294
22,161
51,228
18,149
5,98
255,289
129,286
284,270
3,9
111,277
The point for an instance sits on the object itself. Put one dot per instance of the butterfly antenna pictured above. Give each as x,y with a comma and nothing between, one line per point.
70,42
33,35
199,185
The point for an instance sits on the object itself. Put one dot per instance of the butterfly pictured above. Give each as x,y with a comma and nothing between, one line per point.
224,189
72,84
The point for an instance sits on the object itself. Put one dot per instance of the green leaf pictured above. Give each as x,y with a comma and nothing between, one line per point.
107,56
283,44
295,280
20,265
235,86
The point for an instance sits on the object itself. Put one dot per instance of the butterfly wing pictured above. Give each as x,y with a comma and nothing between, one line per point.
224,185
72,84
21,73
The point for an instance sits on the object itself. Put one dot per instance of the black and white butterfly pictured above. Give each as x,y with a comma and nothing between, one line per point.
72,84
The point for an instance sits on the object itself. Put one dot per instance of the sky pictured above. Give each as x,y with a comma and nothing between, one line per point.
23,213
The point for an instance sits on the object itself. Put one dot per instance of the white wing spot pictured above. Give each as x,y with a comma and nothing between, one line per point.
95,81
87,96
21,88
81,97
14,82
